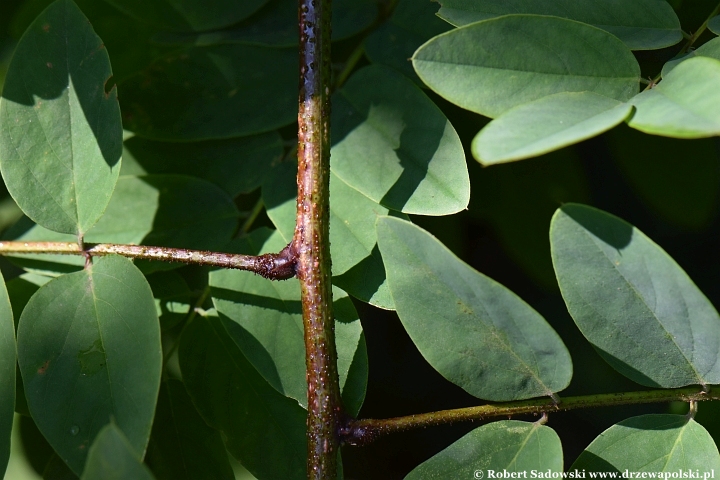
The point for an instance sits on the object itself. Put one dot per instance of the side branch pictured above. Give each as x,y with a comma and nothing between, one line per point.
362,432
275,266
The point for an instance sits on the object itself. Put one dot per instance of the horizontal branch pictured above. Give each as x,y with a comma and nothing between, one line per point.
361,432
275,266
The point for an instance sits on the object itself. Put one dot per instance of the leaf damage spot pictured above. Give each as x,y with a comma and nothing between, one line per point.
108,86
43,369
46,28
49,65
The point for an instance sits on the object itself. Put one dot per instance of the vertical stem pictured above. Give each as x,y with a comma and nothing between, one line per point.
311,240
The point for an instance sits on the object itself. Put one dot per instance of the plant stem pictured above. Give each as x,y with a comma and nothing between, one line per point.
311,239
275,266
693,38
361,432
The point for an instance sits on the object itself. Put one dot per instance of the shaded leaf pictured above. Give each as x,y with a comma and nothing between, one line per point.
275,25
714,25
60,133
7,374
472,330
651,443
211,93
237,165
173,297
491,66
685,104
367,281
352,215
112,457
89,349
504,446
189,14
684,192
411,157
547,124
639,309
641,24
262,428
182,446
264,319
159,210
393,43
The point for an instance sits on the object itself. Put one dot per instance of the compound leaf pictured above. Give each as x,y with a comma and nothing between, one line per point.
60,132
475,332
491,66
89,350
8,360
632,301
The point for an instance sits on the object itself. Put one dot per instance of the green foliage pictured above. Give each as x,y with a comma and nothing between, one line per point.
139,369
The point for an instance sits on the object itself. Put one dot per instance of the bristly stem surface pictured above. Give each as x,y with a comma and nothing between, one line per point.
311,240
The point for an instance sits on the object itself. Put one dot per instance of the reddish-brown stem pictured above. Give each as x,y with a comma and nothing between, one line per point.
275,266
361,432
311,238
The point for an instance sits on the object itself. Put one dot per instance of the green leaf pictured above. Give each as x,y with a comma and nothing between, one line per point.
413,160
654,444
60,133
547,124
685,104
472,330
112,457
352,231
7,374
89,350
496,448
276,26
159,210
237,165
682,192
637,307
211,93
491,66
194,15
262,428
352,216
641,24
714,25
709,49
264,319
411,24
182,446
173,297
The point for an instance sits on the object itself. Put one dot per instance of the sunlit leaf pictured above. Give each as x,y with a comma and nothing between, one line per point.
547,124
60,132
685,104
189,14
112,457
264,319
494,449
632,301
211,93
641,24
262,428
652,443
89,350
182,446
412,158
475,332
237,165
491,66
